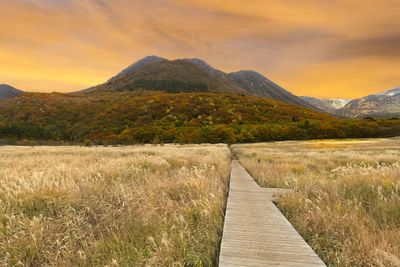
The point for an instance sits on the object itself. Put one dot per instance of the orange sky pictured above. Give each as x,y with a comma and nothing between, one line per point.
338,48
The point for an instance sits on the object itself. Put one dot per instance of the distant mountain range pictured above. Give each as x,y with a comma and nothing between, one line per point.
7,91
378,105
329,105
194,75
155,73
384,104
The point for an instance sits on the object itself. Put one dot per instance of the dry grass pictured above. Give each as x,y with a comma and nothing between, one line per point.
346,200
130,206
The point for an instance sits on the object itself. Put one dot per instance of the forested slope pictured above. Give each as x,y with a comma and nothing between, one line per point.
132,117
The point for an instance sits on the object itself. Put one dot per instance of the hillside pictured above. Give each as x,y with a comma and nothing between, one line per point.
194,75
256,84
130,117
384,104
7,91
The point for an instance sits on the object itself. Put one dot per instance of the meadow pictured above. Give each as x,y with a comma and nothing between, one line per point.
346,195
112,206
163,205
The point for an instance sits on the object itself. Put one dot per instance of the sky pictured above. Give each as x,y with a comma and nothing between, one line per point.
328,49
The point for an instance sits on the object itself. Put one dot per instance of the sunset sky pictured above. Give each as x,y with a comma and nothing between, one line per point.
338,48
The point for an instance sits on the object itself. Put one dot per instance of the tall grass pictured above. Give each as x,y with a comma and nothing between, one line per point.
346,200
130,206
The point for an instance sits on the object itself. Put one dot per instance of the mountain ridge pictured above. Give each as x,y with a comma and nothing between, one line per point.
194,74
383,104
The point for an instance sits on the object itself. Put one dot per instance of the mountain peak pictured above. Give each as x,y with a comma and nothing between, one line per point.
197,61
205,66
4,85
7,91
250,74
148,59
391,92
138,64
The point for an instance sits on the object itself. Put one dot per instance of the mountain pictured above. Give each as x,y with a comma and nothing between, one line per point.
137,65
256,84
166,75
194,75
7,91
330,105
385,104
337,103
391,92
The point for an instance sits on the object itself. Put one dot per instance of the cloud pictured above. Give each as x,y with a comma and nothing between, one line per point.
387,45
68,45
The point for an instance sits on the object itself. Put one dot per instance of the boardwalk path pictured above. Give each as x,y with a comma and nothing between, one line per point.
255,231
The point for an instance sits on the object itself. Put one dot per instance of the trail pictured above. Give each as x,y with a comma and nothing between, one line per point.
255,232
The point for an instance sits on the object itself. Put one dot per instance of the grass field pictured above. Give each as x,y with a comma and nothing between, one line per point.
346,200
163,205
128,206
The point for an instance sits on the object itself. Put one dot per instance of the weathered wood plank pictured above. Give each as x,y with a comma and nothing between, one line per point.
255,231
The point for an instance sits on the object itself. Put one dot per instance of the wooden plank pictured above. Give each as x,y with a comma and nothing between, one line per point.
255,232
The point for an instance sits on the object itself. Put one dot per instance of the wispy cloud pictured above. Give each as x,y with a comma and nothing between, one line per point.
342,48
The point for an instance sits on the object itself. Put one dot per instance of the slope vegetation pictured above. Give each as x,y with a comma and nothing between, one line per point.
131,117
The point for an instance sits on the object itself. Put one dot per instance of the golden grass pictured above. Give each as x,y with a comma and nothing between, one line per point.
346,200
128,206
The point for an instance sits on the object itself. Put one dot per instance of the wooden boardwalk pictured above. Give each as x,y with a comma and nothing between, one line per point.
255,231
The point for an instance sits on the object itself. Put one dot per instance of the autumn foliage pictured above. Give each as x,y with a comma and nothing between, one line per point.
155,117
